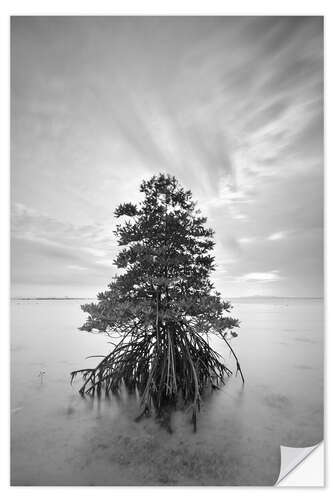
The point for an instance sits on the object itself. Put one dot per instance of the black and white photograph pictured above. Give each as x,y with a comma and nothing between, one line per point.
167,249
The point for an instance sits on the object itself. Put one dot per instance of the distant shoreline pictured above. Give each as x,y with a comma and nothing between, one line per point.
248,297
52,298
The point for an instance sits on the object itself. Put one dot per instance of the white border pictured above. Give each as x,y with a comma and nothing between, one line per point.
167,7
144,7
307,473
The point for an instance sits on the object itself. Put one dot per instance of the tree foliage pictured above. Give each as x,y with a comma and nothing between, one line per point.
162,305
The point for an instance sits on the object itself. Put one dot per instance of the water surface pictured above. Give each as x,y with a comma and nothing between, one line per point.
58,438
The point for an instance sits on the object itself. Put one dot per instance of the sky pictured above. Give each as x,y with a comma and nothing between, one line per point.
232,106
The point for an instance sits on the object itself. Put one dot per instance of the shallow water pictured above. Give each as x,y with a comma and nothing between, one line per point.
58,438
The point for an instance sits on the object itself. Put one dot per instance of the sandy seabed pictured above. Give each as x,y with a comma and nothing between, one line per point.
58,438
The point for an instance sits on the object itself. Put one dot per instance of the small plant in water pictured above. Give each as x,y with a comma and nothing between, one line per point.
163,307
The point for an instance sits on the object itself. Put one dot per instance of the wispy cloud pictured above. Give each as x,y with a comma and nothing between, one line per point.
46,250
246,240
260,277
76,268
280,235
233,106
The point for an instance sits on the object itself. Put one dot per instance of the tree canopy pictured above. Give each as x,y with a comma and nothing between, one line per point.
163,303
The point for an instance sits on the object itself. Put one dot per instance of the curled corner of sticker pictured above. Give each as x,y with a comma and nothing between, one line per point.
291,457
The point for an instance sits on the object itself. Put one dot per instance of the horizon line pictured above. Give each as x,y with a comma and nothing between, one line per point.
231,298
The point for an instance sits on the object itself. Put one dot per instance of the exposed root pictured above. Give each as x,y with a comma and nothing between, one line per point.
180,362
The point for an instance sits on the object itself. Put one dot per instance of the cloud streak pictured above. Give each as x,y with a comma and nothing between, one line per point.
233,106
260,277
